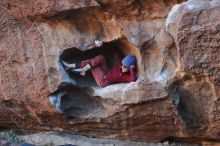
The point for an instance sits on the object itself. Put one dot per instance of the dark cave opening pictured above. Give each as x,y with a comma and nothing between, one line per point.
74,99
74,55
191,108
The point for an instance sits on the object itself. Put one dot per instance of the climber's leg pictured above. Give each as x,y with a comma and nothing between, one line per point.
71,65
100,61
99,68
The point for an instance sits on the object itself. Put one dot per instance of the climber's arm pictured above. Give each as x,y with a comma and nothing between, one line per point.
132,74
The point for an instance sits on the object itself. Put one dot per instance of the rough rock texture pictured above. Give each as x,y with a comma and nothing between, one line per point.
176,95
195,28
57,138
61,138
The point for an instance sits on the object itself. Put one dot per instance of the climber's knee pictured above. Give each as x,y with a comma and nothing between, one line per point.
97,60
85,62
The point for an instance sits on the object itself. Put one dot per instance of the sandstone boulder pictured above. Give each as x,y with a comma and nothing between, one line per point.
175,97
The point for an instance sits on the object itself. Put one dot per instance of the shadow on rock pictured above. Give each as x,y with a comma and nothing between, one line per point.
74,101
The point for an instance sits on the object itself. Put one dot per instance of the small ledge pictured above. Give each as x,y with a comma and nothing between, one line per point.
131,93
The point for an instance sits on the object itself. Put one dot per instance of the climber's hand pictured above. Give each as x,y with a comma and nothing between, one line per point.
132,67
83,73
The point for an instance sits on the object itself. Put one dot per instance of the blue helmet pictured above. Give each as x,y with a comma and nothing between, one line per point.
129,60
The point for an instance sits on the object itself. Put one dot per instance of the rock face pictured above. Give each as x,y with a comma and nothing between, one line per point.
176,95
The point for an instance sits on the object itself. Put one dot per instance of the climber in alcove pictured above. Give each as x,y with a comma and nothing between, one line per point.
123,72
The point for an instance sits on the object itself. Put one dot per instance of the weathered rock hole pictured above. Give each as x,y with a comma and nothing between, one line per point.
191,105
74,98
74,55
74,101
186,110
182,99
